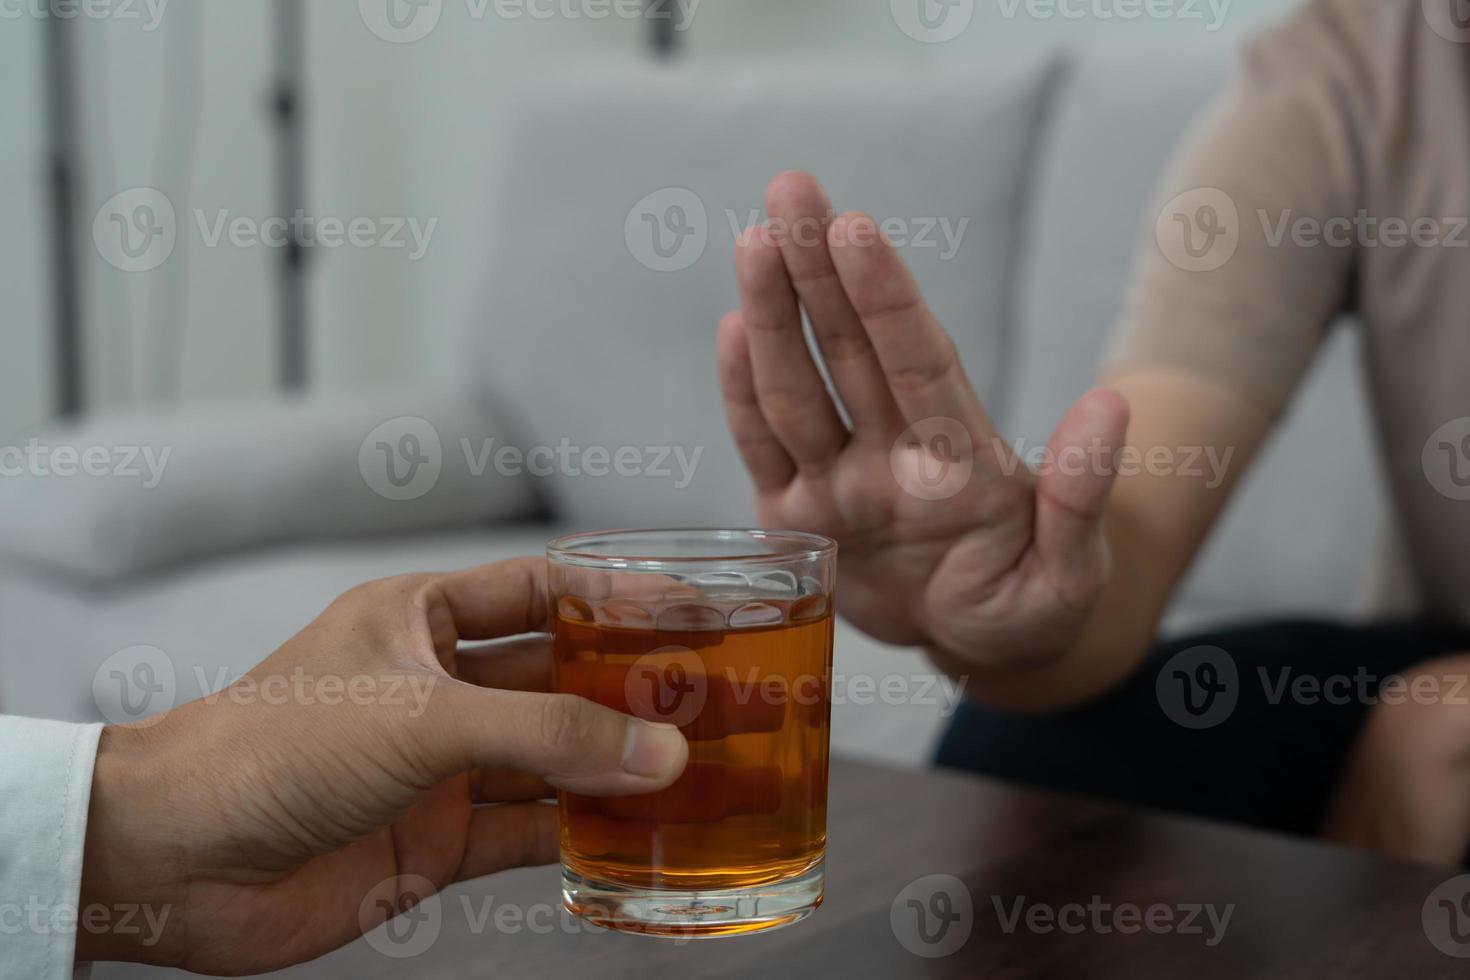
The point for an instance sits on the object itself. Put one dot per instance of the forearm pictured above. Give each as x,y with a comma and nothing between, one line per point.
1116,637
1156,522
127,862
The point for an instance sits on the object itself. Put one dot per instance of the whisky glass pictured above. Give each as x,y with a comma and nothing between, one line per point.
726,635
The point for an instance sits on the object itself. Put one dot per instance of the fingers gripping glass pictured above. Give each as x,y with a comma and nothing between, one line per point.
727,635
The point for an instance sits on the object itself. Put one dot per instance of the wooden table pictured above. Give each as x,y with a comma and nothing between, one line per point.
1297,909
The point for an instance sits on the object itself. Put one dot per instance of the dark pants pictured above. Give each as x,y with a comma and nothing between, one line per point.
1251,724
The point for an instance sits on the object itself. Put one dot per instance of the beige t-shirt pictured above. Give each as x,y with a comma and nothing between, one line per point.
1334,177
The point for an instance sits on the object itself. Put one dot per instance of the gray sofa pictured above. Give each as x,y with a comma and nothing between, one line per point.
264,512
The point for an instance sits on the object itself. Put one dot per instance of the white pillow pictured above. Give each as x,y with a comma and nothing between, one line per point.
124,494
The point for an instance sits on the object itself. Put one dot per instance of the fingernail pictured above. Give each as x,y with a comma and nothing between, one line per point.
652,749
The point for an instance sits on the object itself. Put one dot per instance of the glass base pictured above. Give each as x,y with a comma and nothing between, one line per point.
694,914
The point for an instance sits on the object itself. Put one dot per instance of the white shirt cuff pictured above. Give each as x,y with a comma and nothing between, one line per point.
45,786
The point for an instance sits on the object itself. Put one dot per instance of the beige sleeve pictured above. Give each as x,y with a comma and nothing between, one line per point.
1229,281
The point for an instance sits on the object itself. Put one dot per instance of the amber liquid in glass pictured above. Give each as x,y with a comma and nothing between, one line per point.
753,701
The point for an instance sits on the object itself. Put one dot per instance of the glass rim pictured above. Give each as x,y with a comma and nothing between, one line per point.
794,547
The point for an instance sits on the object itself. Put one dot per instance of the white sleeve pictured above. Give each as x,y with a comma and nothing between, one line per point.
45,786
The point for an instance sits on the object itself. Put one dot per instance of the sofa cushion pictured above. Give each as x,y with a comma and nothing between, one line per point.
602,341
102,499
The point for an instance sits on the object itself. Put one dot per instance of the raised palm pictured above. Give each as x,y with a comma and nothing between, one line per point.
947,540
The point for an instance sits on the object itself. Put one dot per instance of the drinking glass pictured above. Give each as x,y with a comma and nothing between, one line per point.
728,636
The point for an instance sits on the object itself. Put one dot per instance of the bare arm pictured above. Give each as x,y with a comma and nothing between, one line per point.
1042,589
1154,525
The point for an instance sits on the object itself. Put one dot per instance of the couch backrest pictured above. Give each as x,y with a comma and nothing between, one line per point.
600,340
597,339
1301,531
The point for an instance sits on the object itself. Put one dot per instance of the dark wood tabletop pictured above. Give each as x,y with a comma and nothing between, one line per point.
1011,884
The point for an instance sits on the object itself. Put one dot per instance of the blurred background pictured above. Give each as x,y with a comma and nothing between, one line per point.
267,241
180,96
